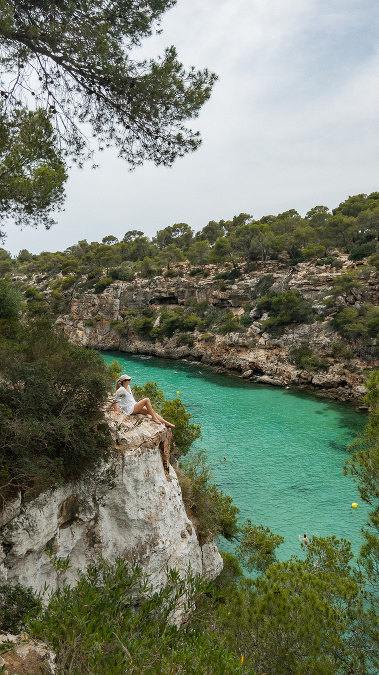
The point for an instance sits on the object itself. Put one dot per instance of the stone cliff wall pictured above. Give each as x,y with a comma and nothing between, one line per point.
131,507
254,354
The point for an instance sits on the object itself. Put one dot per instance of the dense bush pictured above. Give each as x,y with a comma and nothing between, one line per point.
340,350
212,512
103,284
283,309
51,422
143,324
170,321
358,323
35,301
112,623
122,274
184,339
304,358
10,301
362,250
229,324
235,273
17,605
344,284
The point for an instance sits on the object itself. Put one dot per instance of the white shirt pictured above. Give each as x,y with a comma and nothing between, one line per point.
125,400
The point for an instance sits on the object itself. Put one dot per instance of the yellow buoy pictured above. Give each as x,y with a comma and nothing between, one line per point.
354,505
178,392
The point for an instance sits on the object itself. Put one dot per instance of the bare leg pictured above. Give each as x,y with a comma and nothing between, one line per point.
163,421
144,407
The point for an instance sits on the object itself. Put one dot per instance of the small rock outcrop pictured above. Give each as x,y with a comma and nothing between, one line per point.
21,655
130,507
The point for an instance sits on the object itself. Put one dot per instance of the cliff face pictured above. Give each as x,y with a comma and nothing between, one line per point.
254,354
130,507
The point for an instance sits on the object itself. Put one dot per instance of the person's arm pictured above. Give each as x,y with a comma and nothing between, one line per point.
116,407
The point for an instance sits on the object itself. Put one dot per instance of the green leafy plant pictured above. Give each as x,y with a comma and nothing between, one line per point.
112,623
211,510
285,308
17,606
304,358
52,425
103,284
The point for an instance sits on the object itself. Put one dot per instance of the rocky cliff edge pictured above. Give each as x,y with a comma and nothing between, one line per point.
130,507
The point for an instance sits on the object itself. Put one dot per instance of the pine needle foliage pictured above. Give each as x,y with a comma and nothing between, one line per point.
51,392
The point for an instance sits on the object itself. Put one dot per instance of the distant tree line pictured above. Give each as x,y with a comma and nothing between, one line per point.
352,227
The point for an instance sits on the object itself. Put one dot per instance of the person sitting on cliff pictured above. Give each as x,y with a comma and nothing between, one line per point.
124,400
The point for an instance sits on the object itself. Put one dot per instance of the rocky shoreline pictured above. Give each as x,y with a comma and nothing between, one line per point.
93,320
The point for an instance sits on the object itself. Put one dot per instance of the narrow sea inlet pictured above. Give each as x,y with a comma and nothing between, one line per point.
284,449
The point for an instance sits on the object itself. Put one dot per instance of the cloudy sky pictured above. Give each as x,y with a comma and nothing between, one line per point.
293,122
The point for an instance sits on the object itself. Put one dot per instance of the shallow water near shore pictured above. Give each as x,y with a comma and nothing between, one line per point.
284,449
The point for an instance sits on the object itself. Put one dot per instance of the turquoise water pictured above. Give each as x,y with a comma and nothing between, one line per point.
284,449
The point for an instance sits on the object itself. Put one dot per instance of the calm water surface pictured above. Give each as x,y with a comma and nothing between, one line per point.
284,449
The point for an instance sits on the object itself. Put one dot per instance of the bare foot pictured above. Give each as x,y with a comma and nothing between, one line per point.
169,425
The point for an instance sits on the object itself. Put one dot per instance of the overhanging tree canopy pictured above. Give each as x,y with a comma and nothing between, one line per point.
73,57
32,170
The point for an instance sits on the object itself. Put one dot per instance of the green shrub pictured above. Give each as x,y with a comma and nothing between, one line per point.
51,423
35,301
184,339
171,320
118,325
103,284
17,605
374,261
235,273
113,623
312,251
212,511
345,283
245,319
229,324
122,274
339,350
362,250
95,272
304,358
190,322
262,286
207,337
68,282
195,271
10,301
334,262
170,274
357,323
285,308
143,325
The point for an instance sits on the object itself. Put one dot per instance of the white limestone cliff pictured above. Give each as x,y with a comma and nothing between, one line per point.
130,507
